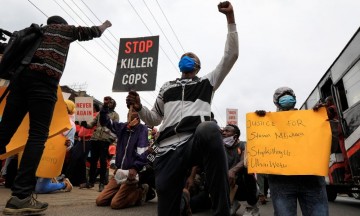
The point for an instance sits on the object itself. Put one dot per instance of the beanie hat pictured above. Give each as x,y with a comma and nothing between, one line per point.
56,20
70,106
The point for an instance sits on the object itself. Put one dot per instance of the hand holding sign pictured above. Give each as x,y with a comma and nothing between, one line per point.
133,99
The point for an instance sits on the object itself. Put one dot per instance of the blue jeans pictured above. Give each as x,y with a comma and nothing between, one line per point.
310,191
44,185
32,94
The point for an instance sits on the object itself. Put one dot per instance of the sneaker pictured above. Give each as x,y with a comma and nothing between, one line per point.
68,185
251,211
145,188
15,206
234,207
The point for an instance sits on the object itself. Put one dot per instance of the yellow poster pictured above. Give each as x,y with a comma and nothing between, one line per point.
53,157
288,143
59,123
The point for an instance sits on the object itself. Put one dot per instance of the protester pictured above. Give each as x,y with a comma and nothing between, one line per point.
100,142
337,133
242,184
76,171
48,185
69,134
35,91
125,189
262,181
286,190
187,136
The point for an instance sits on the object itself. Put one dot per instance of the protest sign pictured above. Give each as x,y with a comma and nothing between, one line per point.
53,157
59,123
288,143
84,108
232,116
137,64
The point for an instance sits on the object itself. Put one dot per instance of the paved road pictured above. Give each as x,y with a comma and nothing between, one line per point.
81,202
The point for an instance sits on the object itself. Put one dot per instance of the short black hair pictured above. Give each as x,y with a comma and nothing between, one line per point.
236,129
96,107
56,20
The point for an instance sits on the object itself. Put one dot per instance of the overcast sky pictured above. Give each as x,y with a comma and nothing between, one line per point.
282,43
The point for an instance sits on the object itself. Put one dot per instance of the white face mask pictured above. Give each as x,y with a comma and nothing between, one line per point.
228,141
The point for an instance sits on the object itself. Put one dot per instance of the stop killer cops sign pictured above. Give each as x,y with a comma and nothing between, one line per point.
137,64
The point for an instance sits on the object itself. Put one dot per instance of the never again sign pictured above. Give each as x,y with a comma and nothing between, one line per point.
137,64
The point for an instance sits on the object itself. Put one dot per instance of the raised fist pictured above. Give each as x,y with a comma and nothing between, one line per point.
133,99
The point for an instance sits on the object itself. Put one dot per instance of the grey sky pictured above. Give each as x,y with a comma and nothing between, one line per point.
282,43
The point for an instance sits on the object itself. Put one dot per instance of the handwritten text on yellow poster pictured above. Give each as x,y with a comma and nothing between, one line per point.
288,143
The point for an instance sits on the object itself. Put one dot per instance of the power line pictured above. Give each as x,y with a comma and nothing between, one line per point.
170,26
152,34
115,46
86,24
110,54
97,18
76,41
161,29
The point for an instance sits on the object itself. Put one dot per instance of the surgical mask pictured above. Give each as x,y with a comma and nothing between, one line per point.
287,101
187,64
228,141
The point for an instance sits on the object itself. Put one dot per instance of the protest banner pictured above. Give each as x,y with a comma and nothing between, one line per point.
84,108
53,157
59,123
288,143
232,116
137,64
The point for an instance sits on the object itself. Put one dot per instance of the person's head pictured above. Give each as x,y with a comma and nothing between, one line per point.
96,108
70,105
56,20
189,65
284,98
230,134
111,102
329,101
133,117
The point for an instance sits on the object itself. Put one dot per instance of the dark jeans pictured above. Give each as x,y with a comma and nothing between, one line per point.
206,148
76,171
310,191
38,97
247,187
99,150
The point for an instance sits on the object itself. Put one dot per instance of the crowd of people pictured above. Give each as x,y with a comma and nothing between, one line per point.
197,165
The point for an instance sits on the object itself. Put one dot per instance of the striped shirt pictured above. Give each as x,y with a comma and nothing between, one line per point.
183,104
50,57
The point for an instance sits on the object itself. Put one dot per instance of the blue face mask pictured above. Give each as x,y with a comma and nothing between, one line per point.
187,64
287,102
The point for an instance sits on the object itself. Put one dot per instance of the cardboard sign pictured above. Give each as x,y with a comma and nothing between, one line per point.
84,108
232,116
137,64
289,143
59,123
53,157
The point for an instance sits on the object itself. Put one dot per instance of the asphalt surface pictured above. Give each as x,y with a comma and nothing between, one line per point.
80,202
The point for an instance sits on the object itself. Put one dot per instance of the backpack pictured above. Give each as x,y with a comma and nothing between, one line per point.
19,51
